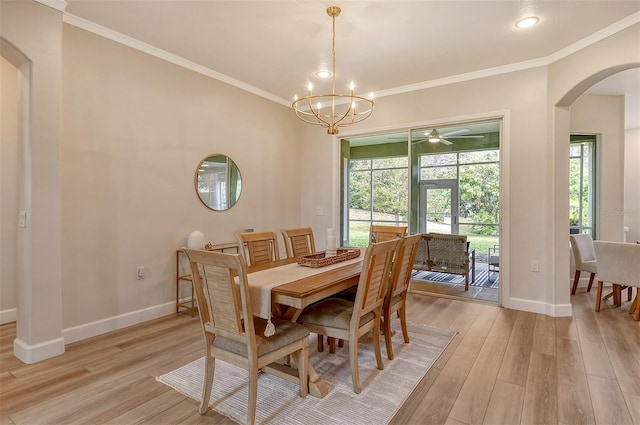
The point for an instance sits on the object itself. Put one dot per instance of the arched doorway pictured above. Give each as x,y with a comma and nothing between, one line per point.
561,112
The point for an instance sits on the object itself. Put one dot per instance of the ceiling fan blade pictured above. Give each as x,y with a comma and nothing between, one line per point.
452,133
445,142
419,141
466,137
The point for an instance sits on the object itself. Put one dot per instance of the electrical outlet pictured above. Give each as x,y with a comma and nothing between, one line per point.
319,211
140,272
535,266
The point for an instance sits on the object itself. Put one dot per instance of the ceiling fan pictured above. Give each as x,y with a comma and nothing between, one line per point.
434,136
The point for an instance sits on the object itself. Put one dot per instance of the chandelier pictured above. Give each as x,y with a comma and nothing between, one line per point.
334,110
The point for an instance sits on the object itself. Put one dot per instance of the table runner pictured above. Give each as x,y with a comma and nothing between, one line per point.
261,282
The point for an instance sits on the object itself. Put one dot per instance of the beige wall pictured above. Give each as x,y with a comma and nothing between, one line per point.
134,131
632,184
9,156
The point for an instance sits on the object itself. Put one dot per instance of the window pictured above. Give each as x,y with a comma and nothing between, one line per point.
378,194
582,173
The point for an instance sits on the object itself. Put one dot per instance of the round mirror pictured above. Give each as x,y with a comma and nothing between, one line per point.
218,182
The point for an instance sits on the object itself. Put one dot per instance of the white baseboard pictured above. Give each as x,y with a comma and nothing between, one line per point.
103,326
34,353
553,310
8,316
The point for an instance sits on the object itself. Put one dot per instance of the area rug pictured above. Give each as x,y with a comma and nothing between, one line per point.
383,391
482,278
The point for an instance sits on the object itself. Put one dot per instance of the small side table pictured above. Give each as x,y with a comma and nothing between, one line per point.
189,305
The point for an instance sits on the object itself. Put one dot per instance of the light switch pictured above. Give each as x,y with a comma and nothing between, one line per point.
22,219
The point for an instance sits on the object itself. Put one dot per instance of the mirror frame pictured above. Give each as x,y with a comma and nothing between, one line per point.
232,175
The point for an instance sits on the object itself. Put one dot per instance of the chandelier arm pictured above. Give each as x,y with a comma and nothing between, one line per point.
316,113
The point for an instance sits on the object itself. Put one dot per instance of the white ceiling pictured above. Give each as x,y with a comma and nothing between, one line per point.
273,48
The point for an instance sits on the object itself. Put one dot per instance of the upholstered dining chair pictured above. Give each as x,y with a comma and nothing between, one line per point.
232,333
298,241
350,320
585,258
618,264
261,247
379,233
396,297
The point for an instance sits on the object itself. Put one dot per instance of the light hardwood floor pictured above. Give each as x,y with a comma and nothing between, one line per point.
503,367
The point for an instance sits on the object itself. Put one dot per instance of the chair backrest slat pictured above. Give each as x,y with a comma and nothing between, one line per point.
382,233
262,247
298,241
224,306
403,264
374,278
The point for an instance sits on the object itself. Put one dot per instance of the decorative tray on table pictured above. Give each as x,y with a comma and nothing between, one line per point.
320,259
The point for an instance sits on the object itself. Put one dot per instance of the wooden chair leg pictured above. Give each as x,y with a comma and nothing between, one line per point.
332,344
590,281
376,344
340,342
617,295
576,278
403,323
353,362
209,369
629,293
635,305
320,343
253,395
387,337
599,296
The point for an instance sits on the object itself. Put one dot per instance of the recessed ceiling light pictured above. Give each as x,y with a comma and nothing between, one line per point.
323,73
527,22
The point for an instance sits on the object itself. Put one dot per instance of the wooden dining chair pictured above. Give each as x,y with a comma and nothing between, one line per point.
298,241
585,258
261,247
232,333
396,298
349,320
382,233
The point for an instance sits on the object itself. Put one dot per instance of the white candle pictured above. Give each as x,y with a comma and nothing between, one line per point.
331,242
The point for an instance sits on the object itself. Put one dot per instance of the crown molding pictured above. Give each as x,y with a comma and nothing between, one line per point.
595,37
118,37
484,73
60,5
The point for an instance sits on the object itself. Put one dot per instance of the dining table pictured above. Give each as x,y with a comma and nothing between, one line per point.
291,288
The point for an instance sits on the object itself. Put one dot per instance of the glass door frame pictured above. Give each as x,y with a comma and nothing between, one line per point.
452,186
